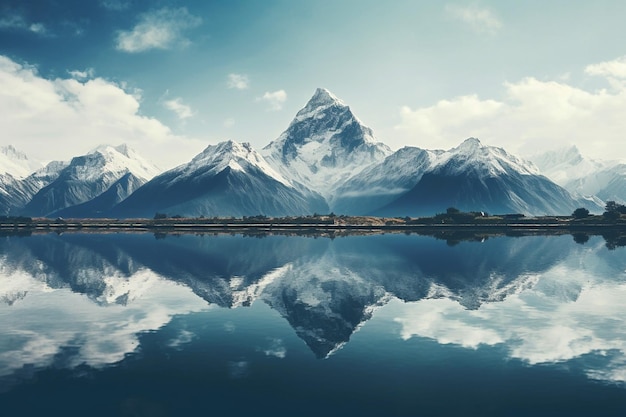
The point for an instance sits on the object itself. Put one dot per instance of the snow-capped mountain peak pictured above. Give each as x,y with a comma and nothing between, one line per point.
237,156
469,145
87,177
12,153
605,180
322,97
321,101
566,164
472,155
225,179
324,145
571,154
120,159
16,163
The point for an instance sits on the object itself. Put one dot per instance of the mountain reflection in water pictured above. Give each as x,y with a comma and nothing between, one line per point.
84,300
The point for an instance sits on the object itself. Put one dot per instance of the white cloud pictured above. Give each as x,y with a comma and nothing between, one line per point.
615,68
160,29
448,115
62,118
534,115
614,71
17,22
182,110
230,122
238,81
481,20
82,75
37,28
274,99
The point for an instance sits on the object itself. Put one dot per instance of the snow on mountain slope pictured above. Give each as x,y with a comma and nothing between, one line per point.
16,193
476,177
103,203
566,165
12,194
568,168
605,180
485,161
124,159
327,149
88,176
614,189
324,145
379,184
14,168
16,163
237,156
227,179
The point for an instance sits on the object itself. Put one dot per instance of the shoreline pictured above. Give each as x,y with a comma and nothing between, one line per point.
277,225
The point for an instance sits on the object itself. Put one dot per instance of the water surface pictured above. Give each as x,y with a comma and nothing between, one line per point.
383,325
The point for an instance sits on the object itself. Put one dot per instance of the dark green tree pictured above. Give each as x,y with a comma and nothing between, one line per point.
611,206
580,213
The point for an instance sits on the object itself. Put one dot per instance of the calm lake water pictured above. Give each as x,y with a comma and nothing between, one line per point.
386,325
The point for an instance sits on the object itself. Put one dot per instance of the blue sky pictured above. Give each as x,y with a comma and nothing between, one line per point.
170,77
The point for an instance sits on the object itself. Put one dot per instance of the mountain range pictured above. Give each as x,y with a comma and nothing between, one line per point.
326,160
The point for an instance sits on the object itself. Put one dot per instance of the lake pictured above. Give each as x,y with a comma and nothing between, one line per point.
131,324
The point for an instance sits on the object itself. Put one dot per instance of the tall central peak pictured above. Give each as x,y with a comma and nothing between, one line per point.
323,97
324,145
323,101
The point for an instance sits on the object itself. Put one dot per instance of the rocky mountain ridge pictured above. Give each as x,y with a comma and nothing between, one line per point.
326,160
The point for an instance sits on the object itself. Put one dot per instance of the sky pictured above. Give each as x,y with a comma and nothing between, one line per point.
170,77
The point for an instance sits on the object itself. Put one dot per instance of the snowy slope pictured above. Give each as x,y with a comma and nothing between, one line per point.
566,166
14,167
13,194
485,161
378,185
16,163
236,156
475,177
16,193
328,150
615,187
324,145
102,204
88,176
120,159
605,180
227,179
